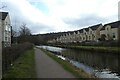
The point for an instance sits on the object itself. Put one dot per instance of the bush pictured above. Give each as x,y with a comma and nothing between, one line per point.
10,54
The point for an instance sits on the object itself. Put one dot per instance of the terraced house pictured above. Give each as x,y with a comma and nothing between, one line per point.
110,31
94,32
5,29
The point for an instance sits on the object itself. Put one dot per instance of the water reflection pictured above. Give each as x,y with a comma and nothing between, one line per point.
97,60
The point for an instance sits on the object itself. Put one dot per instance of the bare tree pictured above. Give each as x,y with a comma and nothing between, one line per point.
14,36
24,31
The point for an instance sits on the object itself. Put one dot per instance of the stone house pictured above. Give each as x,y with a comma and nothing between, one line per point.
94,32
5,27
74,36
84,34
69,37
62,39
81,35
78,36
111,31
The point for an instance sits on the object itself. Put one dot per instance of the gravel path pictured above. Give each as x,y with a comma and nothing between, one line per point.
48,68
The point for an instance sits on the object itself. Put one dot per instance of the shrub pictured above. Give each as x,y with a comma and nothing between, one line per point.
10,54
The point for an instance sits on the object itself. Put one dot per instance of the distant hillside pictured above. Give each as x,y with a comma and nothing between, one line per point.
43,38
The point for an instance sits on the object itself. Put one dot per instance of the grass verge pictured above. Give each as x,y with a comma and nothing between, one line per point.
23,67
79,73
115,50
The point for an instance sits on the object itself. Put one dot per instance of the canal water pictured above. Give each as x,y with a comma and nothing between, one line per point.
102,65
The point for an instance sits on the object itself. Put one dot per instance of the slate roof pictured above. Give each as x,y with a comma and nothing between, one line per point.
86,29
103,28
94,27
81,30
70,32
3,15
113,25
75,32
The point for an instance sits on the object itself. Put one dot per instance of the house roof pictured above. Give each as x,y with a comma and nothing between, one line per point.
3,15
86,29
70,32
113,25
75,32
103,28
94,27
81,30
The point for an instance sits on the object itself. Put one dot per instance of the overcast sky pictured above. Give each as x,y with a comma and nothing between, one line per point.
45,16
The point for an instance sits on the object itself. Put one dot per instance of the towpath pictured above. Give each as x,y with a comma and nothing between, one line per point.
48,68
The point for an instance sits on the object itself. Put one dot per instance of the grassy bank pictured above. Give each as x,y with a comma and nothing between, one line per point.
79,73
94,48
23,67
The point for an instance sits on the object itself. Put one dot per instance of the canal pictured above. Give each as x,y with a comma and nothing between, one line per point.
102,65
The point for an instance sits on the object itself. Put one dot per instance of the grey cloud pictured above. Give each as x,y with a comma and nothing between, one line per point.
87,20
40,28
16,15
17,19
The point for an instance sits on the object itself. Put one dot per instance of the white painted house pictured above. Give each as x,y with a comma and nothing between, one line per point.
5,29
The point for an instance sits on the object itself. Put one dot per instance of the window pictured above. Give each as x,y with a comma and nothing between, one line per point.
83,38
89,37
86,38
108,35
6,33
5,38
80,37
90,32
9,39
6,28
9,29
107,28
113,34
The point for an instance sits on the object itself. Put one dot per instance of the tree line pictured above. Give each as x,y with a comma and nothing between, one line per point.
24,35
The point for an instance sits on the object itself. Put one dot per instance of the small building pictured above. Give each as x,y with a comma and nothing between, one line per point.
5,29
111,31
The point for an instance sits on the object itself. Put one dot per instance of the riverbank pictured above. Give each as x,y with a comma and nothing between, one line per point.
100,49
79,73
23,67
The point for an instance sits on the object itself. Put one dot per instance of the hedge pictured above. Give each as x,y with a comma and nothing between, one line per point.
10,54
